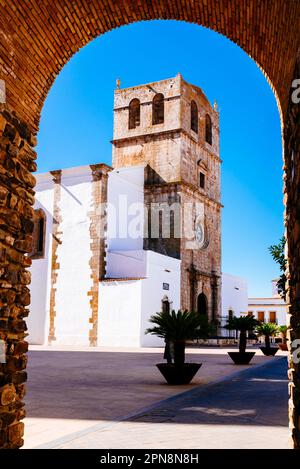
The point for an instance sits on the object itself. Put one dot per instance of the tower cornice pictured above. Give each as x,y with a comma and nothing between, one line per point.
146,103
179,186
170,133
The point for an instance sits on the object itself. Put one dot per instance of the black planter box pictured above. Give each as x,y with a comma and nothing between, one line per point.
269,351
241,358
178,374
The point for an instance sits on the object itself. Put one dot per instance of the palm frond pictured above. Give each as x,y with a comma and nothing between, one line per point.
242,323
180,325
266,328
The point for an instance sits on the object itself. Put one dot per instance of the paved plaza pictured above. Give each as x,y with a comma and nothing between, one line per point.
116,398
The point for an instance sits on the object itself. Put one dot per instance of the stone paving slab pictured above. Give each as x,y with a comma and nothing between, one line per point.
73,391
246,411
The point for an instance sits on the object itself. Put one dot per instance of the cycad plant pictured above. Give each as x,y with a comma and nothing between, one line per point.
242,324
282,330
267,329
177,327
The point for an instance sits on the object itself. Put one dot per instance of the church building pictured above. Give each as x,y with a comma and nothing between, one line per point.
115,244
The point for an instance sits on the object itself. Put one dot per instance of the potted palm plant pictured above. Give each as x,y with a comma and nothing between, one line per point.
283,332
176,328
243,324
267,329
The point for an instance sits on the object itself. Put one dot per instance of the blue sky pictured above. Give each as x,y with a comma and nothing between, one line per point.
76,125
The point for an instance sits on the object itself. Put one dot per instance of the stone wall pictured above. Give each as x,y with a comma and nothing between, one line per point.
292,223
196,158
171,90
161,151
174,155
97,237
156,145
205,262
56,241
161,197
16,214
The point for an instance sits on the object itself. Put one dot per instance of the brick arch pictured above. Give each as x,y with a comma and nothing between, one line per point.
35,50
37,38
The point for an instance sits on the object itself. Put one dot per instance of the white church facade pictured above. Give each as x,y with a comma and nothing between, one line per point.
136,281
113,245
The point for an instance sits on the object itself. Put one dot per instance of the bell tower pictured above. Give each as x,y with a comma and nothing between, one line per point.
171,128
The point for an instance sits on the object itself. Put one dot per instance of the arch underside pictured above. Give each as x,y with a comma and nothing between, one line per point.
39,37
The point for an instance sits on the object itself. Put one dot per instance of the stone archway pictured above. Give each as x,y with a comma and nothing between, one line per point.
36,40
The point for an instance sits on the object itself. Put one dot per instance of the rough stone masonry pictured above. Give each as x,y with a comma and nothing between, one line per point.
37,39
17,161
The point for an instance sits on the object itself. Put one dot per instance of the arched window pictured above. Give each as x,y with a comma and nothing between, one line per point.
194,117
202,304
208,129
134,113
158,109
38,234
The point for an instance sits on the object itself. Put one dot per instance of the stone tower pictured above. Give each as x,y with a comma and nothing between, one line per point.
171,128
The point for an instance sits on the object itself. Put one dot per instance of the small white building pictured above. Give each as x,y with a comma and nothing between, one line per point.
234,299
269,309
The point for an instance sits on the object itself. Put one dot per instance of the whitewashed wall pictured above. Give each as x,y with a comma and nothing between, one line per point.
234,298
125,218
160,269
74,253
234,295
120,313
126,264
38,319
125,306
